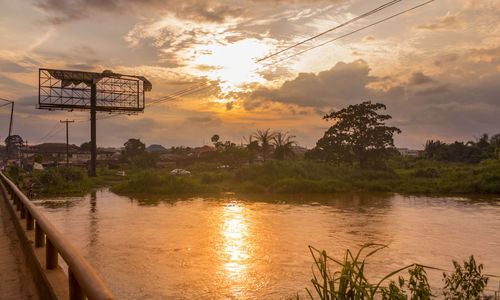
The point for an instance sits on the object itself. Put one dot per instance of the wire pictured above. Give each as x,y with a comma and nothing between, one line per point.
6,100
384,6
178,93
171,97
350,33
49,133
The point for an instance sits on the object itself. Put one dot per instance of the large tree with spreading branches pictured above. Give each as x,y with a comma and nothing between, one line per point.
358,135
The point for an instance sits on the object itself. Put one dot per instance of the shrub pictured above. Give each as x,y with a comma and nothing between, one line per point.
426,173
466,283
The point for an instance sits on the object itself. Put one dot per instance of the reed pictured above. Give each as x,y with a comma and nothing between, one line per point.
349,281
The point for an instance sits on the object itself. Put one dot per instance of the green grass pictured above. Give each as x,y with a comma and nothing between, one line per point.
158,182
407,176
404,175
341,279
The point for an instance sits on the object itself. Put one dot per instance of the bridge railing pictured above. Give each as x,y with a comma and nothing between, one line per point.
82,279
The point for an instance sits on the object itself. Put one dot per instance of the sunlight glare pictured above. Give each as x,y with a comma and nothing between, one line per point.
233,64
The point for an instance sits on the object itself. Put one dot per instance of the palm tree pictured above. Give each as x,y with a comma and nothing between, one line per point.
283,145
252,147
265,137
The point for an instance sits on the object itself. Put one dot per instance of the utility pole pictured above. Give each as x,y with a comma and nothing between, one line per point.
10,124
93,129
67,139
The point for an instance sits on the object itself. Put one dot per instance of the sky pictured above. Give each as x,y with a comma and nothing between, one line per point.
436,68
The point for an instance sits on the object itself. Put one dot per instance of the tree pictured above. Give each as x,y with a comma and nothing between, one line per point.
38,158
252,147
359,134
495,144
136,154
134,147
13,144
470,152
283,145
217,143
265,137
85,146
215,138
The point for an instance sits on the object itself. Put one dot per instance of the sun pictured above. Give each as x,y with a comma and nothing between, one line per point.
233,64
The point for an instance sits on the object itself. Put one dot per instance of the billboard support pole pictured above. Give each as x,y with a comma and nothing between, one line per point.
93,135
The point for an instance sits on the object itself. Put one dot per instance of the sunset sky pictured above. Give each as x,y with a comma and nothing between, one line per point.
436,68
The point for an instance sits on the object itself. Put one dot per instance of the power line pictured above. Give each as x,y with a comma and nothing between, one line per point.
350,33
172,97
51,131
383,6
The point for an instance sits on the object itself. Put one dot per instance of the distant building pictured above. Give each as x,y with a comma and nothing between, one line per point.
156,148
54,154
197,152
408,152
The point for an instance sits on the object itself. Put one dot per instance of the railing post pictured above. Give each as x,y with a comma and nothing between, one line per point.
39,236
18,203
30,223
51,256
23,211
75,291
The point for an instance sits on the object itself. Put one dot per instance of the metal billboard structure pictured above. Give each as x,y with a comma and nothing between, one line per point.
97,92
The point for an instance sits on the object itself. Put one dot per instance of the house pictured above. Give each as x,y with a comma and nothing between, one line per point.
408,152
156,148
197,152
54,154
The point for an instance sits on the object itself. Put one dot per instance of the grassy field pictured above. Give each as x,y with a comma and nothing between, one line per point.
407,176
402,175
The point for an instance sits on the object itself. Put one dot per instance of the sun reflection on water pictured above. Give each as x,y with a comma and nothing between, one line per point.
236,244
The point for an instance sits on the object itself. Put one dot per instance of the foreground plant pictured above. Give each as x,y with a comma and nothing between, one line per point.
350,282
466,283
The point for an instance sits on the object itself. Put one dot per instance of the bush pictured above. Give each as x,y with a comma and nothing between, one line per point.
466,282
152,182
426,173
63,180
349,281
251,187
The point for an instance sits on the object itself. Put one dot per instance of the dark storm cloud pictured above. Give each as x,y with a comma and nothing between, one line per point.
423,107
487,54
12,67
208,13
204,119
440,89
446,59
418,78
8,83
64,11
343,83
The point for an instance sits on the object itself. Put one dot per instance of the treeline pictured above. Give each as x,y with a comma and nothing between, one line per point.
469,152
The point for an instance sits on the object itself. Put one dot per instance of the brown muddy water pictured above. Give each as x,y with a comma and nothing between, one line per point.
256,247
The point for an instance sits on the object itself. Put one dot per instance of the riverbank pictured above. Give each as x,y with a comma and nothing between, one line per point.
292,177
61,181
404,176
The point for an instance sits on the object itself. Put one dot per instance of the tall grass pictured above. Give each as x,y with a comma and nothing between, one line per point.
349,280
306,177
156,182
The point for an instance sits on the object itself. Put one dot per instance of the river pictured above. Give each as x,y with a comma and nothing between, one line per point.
256,247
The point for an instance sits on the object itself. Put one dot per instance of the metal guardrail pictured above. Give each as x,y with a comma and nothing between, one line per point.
82,279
